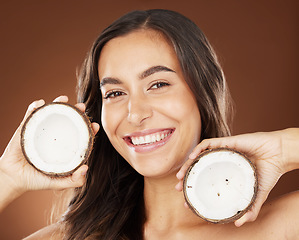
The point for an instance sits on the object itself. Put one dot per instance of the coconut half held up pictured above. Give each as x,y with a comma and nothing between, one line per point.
221,185
56,139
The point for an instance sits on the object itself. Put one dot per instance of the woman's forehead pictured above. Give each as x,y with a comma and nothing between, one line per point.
143,47
139,36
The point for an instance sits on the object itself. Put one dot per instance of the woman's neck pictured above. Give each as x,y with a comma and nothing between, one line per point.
164,205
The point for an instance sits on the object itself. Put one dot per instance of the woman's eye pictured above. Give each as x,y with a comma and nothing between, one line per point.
113,94
159,85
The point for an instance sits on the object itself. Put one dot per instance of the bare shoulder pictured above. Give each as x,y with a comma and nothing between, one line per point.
282,216
51,232
286,206
278,219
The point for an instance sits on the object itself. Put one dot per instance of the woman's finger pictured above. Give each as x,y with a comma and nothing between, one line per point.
252,214
203,145
81,107
249,216
33,106
228,142
182,172
61,98
95,127
179,186
77,179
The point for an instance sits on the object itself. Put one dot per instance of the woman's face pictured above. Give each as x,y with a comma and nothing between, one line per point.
149,113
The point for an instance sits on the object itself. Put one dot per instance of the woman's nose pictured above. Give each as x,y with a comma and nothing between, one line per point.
139,109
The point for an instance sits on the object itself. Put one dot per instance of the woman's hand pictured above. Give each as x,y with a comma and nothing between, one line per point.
272,153
18,176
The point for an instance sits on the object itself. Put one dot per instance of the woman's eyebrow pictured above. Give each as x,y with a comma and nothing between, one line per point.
153,70
109,80
144,74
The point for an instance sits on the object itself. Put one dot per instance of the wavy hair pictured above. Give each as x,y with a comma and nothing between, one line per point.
110,205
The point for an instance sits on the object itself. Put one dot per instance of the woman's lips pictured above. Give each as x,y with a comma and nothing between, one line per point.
148,140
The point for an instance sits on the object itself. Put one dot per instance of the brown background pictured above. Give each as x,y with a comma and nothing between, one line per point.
43,42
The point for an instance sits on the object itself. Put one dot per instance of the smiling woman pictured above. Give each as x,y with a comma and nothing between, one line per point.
158,89
153,83
152,100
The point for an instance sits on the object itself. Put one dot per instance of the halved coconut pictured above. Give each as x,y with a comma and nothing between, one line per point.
221,185
57,139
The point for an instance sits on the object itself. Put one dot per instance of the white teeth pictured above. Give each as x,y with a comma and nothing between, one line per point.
148,139
153,138
136,141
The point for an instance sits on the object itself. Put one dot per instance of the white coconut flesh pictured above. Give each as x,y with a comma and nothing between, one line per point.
221,185
56,138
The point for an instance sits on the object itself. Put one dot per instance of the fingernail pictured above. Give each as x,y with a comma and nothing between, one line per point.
240,221
179,176
61,98
84,171
178,187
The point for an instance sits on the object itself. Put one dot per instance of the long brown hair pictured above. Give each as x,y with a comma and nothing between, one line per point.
110,205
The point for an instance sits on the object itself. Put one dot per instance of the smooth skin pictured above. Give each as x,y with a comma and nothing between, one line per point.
138,113
150,96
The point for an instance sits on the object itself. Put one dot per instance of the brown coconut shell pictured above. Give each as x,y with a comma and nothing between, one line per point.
239,214
87,152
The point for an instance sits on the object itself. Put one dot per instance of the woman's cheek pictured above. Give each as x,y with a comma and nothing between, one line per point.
107,120
112,116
